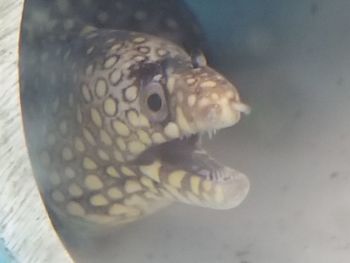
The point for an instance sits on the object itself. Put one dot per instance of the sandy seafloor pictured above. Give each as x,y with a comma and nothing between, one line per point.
291,62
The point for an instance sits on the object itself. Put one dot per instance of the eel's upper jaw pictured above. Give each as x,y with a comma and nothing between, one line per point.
205,101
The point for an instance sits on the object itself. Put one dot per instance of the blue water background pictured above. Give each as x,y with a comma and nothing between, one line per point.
5,255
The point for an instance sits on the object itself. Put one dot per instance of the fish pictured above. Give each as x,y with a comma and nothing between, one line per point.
115,98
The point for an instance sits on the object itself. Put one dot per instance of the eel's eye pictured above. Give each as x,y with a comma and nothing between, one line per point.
154,102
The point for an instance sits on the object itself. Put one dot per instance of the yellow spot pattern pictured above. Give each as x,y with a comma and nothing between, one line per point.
175,178
121,128
132,186
195,181
75,209
92,182
114,193
89,164
152,170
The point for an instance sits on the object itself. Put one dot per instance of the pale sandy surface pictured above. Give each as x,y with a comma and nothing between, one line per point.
24,226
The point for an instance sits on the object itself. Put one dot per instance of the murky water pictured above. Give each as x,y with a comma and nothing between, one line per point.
290,63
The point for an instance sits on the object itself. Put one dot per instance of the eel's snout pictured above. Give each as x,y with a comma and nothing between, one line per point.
220,113
209,101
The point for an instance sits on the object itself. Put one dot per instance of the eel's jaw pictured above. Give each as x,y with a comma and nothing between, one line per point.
190,175
201,101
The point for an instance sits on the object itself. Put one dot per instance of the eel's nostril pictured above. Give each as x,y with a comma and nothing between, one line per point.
241,107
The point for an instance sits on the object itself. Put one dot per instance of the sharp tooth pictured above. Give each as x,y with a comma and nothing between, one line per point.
211,134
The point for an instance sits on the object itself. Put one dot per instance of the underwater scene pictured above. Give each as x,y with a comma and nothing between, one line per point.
175,131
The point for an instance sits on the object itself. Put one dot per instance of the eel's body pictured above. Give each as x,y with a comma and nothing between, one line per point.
114,96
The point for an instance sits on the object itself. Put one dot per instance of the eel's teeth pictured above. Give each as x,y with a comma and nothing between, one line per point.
209,134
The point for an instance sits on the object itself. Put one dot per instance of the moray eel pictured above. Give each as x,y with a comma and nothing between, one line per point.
115,96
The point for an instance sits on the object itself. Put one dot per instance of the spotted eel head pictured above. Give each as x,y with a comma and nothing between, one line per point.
148,93
192,102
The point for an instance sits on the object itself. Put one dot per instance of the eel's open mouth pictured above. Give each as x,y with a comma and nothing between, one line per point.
215,185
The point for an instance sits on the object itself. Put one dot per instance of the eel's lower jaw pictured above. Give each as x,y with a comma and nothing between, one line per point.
230,186
220,187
